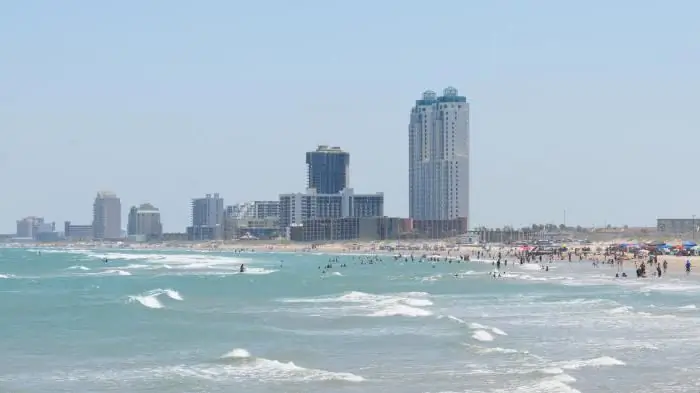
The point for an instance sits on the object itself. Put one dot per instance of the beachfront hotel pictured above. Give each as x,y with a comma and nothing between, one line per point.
107,216
328,169
439,162
144,223
207,218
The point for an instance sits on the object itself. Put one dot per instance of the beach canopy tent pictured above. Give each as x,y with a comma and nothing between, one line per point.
689,244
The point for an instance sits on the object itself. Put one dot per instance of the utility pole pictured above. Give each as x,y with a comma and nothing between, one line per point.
565,218
694,228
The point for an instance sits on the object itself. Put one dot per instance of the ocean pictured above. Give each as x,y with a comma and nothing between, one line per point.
180,321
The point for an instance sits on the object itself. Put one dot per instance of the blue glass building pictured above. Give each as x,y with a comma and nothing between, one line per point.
327,169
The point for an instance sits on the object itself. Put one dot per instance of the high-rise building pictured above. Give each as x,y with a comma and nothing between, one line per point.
439,157
34,227
144,222
207,218
328,169
107,216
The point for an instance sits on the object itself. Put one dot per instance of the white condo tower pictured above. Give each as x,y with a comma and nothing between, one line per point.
439,157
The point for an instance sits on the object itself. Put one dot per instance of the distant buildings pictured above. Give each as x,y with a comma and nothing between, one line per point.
327,169
439,163
35,228
298,207
75,232
678,225
207,218
254,209
144,223
327,209
107,216
252,220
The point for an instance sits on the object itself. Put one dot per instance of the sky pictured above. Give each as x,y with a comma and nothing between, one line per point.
588,107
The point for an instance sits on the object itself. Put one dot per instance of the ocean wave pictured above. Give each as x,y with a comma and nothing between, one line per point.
408,304
602,361
109,272
235,366
150,299
7,276
498,350
482,335
476,326
185,261
78,267
557,384
243,363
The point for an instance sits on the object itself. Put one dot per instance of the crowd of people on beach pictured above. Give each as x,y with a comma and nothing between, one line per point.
499,259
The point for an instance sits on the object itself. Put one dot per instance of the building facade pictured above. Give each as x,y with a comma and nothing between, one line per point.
328,169
34,228
77,232
207,218
107,216
296,208
347,228
678,225
144,223
266,209
439,157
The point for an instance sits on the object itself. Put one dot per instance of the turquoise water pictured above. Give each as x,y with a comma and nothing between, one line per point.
177,321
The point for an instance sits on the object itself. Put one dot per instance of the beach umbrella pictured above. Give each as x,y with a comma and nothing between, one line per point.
689,244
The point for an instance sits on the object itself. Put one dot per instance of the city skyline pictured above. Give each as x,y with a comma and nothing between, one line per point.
101,97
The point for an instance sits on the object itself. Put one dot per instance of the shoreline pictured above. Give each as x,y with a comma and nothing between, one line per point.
417,248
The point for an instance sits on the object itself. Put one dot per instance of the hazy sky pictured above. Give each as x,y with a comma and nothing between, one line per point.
588,106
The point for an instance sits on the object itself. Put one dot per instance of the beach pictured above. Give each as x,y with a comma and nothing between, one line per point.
329,320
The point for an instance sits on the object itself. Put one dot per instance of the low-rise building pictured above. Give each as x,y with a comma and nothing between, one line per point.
299,207
678,225
347,228
75,232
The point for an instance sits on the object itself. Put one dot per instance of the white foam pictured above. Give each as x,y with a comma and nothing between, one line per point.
118,272
498,350
266,369
78,267
374,305
150,301
401,311
237,353
552,370
184,261
548,385
688,307
498,331
434,277
602,361
6,276
482,335
150,298
475,325
620,310
453,318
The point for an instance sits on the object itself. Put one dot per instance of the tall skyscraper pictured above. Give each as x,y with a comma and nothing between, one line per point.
327,169
207,218
144,222
439,157
107,216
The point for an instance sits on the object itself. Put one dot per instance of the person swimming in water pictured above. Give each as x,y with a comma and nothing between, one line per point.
242,269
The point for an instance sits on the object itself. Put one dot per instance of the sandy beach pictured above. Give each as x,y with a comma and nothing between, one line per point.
417,248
